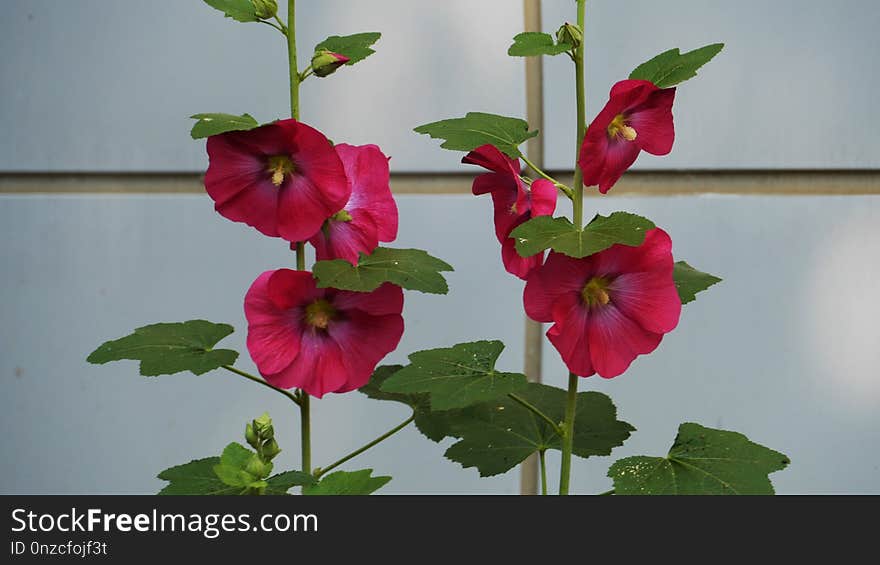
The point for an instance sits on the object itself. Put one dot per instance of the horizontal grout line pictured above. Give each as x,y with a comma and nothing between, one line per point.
634,183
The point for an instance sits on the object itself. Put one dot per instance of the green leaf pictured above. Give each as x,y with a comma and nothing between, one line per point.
457,376
356,47
238,10
497,436
282,482
532,43
689,281
476,129
433,425
412,269
347,483
559,234
215,124
671,67
236,467
195,478
701,461
165,349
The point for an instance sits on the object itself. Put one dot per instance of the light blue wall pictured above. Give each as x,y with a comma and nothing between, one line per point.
784,350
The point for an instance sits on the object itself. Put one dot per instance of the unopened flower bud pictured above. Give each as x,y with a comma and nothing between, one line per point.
265,9
258,468
570,34
326,62
270,450
251,436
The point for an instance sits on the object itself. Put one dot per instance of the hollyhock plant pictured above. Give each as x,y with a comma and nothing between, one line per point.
283,178
637,117
514,203
319,340
606,308
370,216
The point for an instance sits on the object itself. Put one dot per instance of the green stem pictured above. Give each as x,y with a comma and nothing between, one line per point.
304,399
543,463
578,216
526,404
578,220
568,192
356,452
305,432
268,23
606,493
251,377
568,433
291,59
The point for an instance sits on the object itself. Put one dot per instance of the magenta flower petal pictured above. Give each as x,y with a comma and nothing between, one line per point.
607,308
513,203
637,116
319,340
369,216
283,178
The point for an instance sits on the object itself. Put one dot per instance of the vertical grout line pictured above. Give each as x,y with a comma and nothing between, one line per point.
528,483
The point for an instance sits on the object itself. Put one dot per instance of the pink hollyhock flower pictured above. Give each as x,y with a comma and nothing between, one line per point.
283,178
607,308
319,340
370,216
637,117
514,203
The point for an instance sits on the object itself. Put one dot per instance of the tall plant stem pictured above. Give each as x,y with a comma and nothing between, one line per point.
304,399
543,462
578,220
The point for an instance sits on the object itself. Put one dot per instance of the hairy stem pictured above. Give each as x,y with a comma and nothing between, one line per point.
356,452
256,379
568,433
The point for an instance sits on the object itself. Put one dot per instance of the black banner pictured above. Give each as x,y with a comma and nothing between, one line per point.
124,529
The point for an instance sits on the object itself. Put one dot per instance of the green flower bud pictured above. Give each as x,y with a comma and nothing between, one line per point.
257,468
265,9
326,62
270,450
251,436
571,34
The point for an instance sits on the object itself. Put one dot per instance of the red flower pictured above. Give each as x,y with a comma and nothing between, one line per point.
514,203
370,216
638,116
607,308
283,178
319,340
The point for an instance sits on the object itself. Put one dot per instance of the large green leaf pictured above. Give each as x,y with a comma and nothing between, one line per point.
496,436
457,376
689,281
238,10
215,124
434,425
356,47
282,482
196,478
701,461
476,129
348,483
168,348
533,43
559,234
412,269
672,67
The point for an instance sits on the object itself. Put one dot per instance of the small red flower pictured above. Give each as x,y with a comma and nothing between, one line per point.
319,340
370,216
513,202
283,178
637,117
607,308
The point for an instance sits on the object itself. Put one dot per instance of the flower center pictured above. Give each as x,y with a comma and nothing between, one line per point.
341,216
319,314
595,292
280,165
619,127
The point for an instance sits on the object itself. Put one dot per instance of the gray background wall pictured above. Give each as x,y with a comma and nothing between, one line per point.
785,350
